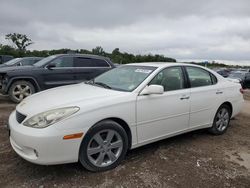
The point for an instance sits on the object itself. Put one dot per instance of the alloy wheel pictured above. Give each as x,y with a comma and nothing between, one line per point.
104,148
222,119
21,91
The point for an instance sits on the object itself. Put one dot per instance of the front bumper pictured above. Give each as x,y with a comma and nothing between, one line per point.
43,146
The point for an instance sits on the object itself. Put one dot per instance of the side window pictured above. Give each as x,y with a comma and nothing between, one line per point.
199,77
36,60
63,62
27,62
170,78
100,63
83,62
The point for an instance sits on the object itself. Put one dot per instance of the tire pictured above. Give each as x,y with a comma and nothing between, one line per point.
220,124
98,152
20,90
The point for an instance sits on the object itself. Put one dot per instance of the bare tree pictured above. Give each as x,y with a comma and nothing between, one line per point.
21,41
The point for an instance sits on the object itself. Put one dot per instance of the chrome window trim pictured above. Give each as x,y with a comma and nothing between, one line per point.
109,65
78,67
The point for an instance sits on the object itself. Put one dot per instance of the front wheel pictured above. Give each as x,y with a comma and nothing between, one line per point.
221,120
20,90
104,146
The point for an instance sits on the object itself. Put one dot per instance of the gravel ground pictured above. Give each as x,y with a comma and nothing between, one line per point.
196,159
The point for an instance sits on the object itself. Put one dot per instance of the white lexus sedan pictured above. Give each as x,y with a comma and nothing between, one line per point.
98,121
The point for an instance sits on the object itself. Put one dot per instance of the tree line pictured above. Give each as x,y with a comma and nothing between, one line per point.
21,42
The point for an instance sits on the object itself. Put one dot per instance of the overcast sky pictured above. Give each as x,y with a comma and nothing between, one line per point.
183,29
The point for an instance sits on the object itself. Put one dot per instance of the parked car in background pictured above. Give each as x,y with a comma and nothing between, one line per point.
57,70
97,122
24,61
5,58
242,76
118,65
223,72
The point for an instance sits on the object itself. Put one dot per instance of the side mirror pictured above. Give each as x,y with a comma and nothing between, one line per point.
50,66
152,89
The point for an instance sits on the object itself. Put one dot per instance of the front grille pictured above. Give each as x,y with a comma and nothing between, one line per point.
20,117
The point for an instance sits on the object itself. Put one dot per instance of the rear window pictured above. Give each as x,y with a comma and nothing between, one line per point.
100,63
89,62
214,79
82,62
199,77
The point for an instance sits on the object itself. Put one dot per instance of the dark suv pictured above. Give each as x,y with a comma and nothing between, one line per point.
24,61
53,71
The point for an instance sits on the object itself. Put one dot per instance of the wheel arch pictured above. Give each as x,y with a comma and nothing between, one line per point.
124,125
229,104
126,128
29,79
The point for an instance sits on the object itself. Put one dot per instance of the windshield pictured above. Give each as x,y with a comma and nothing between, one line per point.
124,78
13,61
44,61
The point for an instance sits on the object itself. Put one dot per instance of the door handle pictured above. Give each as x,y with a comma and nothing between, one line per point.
184,97
219,92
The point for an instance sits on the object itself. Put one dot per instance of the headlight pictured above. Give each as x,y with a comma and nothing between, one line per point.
5,79
50,117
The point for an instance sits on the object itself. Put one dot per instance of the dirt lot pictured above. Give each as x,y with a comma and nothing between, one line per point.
195,159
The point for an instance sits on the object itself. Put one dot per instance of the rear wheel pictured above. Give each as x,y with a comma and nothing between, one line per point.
221,120
104,146
20,90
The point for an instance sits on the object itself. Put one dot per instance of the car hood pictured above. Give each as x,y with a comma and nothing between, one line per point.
7,69
82,95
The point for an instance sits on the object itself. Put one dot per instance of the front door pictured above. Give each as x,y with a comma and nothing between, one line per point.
164,114
61,74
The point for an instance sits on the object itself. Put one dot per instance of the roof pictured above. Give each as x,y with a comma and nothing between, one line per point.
31,57
160,64
169,64
84,55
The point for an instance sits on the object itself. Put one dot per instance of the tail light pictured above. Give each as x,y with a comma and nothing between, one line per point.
242,90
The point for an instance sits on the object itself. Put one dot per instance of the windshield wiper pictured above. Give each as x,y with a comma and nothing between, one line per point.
92,82
102,84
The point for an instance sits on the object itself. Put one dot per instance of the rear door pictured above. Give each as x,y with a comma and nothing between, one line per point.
61,74
88,68
205,95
